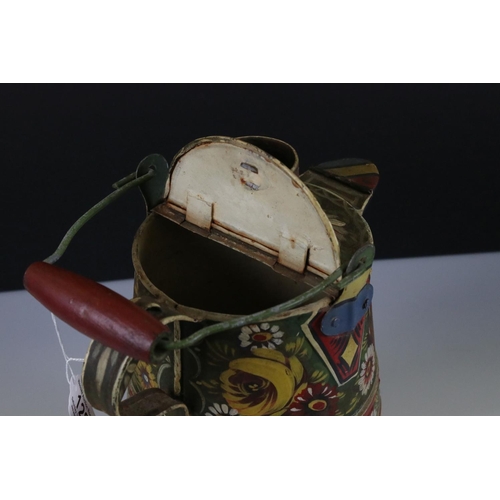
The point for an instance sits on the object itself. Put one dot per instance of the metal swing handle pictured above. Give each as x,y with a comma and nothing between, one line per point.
109,318
114,321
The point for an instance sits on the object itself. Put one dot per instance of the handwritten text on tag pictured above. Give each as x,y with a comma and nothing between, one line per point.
78,406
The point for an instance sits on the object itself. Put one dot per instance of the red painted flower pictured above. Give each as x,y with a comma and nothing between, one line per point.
315,399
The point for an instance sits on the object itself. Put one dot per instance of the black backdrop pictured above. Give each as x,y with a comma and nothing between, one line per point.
62,146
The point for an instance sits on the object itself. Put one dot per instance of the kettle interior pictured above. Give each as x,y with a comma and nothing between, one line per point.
200,273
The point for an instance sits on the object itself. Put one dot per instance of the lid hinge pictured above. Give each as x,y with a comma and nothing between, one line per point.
293,252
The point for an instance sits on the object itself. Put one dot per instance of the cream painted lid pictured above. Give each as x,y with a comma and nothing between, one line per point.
232,186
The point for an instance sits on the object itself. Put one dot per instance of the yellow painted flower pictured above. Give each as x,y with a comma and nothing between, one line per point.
264,384
145,375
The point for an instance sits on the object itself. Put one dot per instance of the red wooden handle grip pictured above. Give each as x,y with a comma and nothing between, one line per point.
95,310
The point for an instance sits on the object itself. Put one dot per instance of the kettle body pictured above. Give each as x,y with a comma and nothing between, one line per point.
273,267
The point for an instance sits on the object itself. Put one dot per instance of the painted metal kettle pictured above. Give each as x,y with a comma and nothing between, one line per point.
252,291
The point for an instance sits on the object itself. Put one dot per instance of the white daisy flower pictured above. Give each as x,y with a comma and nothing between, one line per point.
263,335
367,371
222,410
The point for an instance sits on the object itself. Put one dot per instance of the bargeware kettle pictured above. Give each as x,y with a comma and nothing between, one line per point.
252,291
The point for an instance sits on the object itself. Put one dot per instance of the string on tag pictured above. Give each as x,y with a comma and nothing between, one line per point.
69,370
77,403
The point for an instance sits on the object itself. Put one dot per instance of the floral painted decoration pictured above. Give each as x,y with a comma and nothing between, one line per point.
217,410
261,336
367,371
273,369
315,399
263,384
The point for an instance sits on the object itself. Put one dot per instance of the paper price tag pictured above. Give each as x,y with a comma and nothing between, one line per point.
78,405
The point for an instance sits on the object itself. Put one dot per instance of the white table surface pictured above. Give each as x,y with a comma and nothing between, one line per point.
436,331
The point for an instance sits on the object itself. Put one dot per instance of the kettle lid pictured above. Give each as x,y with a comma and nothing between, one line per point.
231,187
